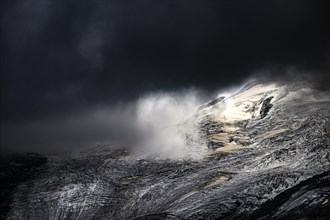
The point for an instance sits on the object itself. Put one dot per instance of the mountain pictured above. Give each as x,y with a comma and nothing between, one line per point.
263,153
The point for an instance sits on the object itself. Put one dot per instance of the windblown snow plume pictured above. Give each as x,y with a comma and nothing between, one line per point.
160,117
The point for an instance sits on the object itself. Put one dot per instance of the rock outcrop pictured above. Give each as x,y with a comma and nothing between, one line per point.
266,106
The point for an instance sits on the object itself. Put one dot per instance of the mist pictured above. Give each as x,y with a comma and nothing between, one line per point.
148,126
159,116
142,126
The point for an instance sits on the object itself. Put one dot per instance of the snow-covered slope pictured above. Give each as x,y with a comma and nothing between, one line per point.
265,155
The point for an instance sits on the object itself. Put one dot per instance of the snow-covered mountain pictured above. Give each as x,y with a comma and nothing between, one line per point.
259,153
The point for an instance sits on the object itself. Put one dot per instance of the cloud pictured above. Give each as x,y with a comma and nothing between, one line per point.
160,117
116,51
66,66
25,20
146,125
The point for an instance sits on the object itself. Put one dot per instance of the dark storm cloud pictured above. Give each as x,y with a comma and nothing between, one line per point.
65,57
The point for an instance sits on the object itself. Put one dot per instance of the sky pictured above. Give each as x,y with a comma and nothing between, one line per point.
60,59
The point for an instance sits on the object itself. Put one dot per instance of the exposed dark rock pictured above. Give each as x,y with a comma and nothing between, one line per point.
307,200
266,106
213,102
14,170
214,144
208,127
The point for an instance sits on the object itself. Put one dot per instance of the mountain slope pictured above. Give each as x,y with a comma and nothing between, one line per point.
267,156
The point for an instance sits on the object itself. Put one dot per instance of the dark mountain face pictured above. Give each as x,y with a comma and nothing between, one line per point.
15,170
270,164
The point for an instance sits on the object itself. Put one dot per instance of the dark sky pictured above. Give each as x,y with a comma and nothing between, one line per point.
62,57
